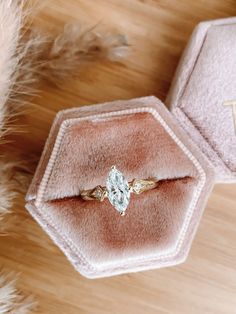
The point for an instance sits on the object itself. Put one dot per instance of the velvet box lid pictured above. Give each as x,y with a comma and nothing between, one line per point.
203,94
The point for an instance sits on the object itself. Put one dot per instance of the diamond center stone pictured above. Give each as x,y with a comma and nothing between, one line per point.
118,191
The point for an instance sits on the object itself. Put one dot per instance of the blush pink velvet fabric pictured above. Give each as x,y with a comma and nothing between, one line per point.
204,81
143,140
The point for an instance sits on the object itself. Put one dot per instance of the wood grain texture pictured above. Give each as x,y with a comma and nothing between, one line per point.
206,283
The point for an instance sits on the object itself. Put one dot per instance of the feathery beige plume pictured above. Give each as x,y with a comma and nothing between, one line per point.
61,57
10,25
11,300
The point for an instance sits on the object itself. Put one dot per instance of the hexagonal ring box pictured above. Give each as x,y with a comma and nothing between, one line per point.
143,139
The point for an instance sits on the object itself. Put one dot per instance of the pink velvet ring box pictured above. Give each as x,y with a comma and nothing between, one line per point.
143,139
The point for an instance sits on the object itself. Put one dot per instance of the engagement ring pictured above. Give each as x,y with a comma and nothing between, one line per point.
118,190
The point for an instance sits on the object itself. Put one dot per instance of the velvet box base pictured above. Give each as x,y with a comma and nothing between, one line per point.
143,140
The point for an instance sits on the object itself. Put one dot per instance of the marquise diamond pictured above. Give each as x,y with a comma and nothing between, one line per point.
118,191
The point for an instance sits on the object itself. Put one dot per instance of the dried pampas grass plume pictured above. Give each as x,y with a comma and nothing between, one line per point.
36,56
14,181
61,57
11,300
75,47
10,26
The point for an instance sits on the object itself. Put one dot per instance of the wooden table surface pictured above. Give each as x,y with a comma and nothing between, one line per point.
206,283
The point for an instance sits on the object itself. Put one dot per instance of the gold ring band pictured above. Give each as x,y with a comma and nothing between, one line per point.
118,190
